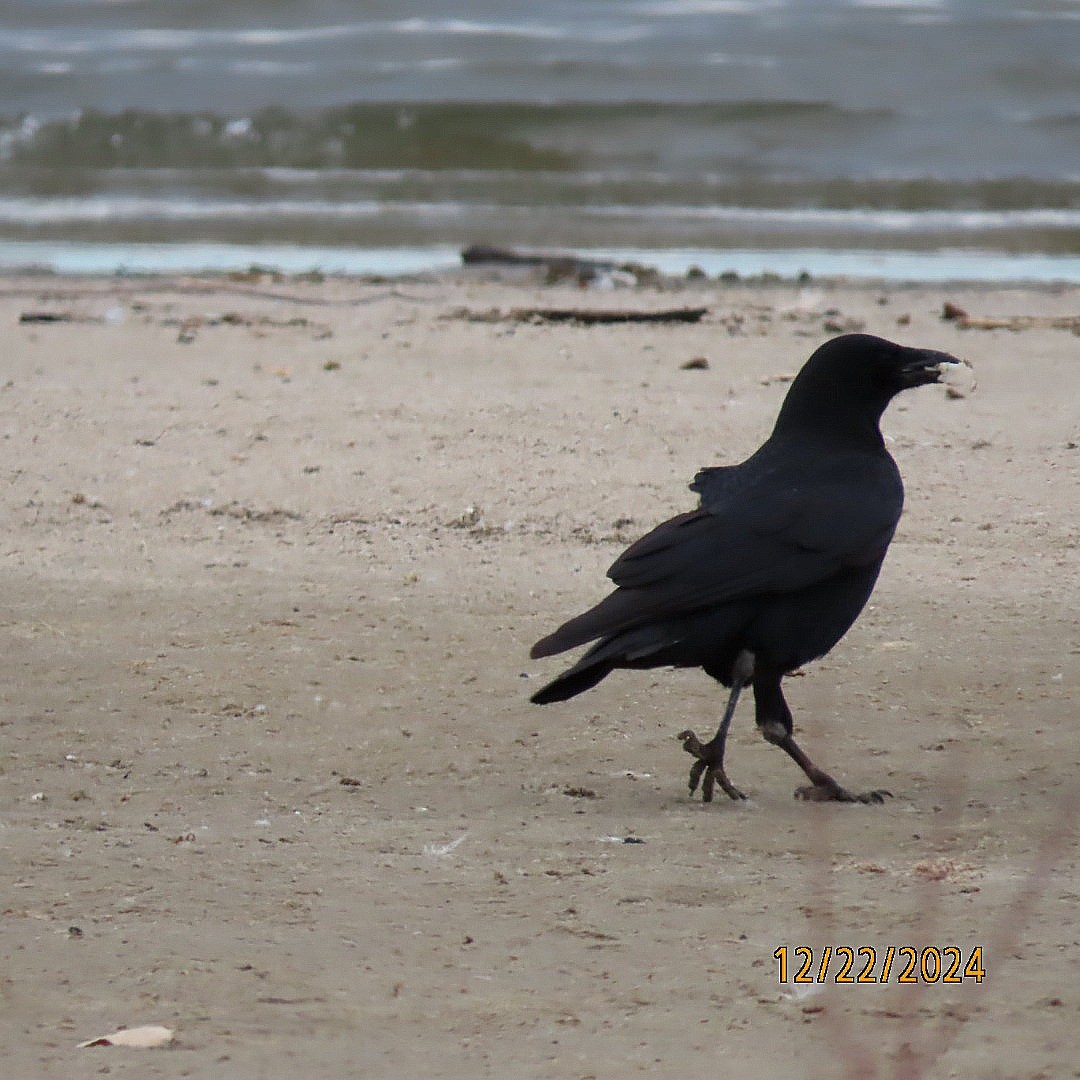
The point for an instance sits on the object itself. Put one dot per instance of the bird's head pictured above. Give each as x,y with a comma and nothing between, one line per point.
859,374
862,359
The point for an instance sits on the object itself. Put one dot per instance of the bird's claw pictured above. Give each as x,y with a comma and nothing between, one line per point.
691,743
705,771
833,792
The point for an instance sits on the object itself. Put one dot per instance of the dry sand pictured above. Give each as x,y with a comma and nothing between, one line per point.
269,774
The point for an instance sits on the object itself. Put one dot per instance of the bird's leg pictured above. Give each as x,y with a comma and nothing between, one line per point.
710,755
774,720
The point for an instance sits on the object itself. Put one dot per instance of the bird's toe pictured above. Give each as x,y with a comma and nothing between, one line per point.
713,777
706,771
878,795
691,744
833,792
730,790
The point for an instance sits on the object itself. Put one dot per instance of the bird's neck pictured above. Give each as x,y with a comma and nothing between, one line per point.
830,422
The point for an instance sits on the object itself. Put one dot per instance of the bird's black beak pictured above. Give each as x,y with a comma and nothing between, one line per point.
923,366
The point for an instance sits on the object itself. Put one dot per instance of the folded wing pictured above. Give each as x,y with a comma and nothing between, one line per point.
749,538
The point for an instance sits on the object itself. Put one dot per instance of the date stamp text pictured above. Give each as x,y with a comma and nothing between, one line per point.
903,964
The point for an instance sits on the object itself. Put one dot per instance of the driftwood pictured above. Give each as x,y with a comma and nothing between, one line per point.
964,321
1020,322
485,255
582,316
557,266
593,317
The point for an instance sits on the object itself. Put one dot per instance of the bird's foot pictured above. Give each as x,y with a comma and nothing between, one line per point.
831,791
708,769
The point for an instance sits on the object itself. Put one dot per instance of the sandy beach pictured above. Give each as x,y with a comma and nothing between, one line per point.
274,555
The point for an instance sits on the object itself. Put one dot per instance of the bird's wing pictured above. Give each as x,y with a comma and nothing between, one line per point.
756,534
751,540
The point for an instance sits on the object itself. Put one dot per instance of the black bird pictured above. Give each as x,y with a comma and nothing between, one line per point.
775,564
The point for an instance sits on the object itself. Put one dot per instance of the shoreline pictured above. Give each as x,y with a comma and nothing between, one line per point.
855,265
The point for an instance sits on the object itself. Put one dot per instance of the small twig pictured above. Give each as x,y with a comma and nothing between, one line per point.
38,317
210,288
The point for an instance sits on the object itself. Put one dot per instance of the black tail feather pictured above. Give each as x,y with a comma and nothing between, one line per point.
645,647
615,613
582,676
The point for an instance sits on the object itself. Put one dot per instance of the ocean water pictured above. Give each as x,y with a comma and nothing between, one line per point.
861,133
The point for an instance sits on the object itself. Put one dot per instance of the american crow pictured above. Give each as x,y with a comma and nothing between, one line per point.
774,565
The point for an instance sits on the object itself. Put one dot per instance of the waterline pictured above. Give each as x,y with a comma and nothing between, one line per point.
885,265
